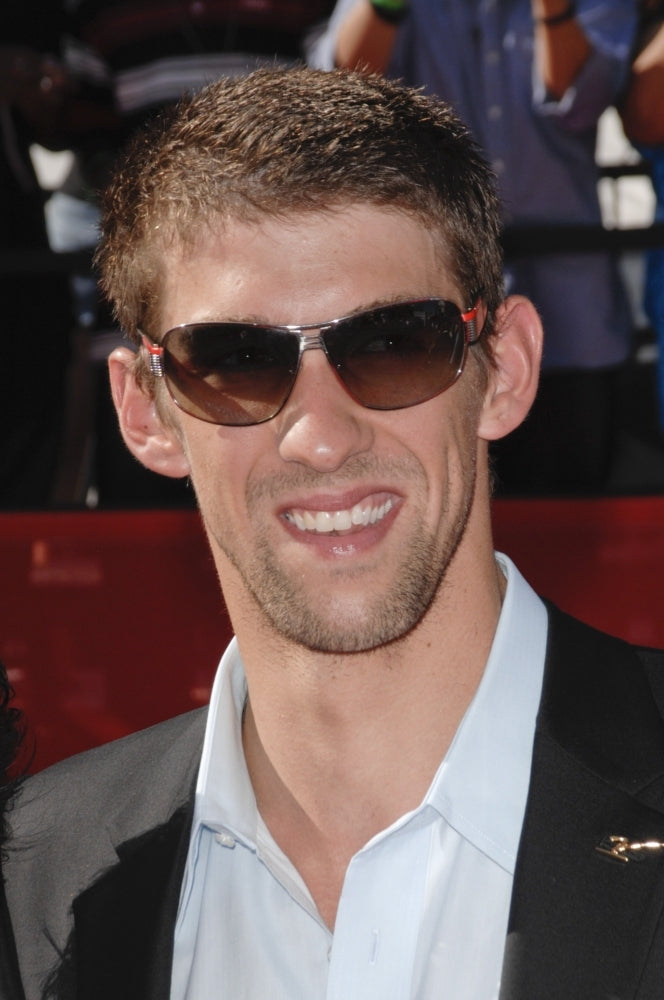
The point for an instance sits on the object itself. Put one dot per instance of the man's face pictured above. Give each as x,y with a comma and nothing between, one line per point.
336,521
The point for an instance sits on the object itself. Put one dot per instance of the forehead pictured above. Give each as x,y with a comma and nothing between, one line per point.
303,268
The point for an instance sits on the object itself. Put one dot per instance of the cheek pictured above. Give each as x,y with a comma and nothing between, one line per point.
448,454
222,461
449,434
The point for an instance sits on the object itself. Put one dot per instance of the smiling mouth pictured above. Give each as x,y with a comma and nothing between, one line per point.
339,522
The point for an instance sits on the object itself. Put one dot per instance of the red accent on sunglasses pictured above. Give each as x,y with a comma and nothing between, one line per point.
470,323
155,356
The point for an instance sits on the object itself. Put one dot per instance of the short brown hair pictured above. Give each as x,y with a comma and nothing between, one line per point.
279,142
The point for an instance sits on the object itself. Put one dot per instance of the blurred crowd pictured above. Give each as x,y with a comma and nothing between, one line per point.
531,78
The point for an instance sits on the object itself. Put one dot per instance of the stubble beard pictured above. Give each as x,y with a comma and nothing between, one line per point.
388,615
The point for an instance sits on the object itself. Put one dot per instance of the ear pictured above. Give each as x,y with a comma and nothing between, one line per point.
149,438
513,379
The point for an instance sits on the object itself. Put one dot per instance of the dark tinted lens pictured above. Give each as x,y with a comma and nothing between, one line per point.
227,373
398,355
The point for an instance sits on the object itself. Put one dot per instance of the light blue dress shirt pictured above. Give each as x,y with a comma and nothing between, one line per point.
424,907
478,55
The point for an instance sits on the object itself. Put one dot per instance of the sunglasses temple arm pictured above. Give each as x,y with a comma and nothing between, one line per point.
155,356
470,323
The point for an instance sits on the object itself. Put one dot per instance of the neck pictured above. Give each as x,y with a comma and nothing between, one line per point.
339,747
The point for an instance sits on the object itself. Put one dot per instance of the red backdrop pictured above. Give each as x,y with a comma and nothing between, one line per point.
112,621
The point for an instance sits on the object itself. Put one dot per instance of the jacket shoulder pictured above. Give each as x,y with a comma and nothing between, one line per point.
129,783
603,701
69,822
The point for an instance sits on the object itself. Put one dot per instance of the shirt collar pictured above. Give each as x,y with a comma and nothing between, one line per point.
482,784
224,794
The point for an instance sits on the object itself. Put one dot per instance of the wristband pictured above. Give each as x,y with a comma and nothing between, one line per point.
566,15
392,11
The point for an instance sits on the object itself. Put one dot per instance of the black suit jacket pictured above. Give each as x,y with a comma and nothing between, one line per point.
581,924
10,980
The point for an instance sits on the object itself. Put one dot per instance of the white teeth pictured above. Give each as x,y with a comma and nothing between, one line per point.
342,520
324,522
357,514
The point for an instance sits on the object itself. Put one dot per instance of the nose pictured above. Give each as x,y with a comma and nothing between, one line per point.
321,425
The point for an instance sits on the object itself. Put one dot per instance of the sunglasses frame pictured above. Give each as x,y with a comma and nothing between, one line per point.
313,341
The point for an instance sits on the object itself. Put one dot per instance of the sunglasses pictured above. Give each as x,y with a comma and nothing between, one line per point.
388,358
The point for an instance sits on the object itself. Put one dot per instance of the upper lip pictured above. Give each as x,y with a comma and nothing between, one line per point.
339,501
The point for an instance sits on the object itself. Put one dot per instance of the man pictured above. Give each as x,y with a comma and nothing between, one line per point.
531,79
308,265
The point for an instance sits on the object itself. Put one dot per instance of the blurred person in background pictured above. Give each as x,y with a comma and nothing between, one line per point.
34,300
642,113
531,79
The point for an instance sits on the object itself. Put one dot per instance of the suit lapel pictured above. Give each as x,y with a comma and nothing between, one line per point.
582,925
124,922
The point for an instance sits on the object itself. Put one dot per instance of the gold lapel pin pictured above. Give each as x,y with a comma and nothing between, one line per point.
625,850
